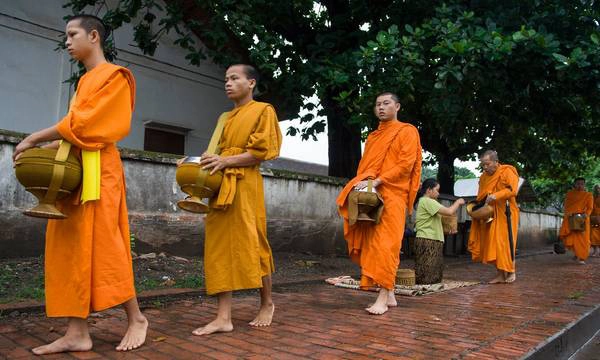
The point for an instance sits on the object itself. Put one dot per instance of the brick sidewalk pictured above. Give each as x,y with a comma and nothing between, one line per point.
324,322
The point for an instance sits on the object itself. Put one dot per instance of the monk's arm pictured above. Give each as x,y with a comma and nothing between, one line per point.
409,143
48,134
589,207
511,183
215,162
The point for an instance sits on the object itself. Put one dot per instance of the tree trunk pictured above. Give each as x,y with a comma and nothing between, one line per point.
445,174
344,142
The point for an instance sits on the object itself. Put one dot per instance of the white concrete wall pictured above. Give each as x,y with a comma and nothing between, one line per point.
33,95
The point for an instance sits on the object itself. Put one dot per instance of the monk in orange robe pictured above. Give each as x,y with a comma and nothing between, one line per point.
489,242
595,229
392,160
88,258
577,201
237,254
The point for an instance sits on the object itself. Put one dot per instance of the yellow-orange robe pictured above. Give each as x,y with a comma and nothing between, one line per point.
392,154
577,241
88,258
595,230
488,243
236,250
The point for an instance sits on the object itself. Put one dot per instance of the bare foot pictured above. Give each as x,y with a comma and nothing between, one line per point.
380,305
391,301
216,326
510,278
581,262
377,309
497,280
65,344
264,317
135,335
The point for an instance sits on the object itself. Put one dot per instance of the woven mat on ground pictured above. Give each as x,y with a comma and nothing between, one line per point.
415,290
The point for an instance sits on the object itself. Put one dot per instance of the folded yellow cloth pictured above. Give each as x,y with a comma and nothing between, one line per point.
90,185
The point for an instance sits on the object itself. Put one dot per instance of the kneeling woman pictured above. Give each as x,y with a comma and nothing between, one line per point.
429,244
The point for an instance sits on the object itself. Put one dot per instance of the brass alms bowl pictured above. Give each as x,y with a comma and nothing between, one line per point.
48,179
480,211
197,183
367,202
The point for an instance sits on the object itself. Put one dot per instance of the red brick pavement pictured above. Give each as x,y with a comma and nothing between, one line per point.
324,322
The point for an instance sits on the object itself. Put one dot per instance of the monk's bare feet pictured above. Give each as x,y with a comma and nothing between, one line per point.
65,344
391,302
510,278
135,335
216,326
499,279
264,317
377,309
380,306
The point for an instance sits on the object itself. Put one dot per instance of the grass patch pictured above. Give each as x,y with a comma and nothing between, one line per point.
21,280
576,295
147,284
190,281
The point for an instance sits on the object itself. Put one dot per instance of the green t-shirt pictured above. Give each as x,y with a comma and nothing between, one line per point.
429,222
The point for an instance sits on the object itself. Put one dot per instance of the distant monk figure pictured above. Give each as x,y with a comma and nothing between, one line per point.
237,254
595,228
88,255
392,161
577,202
489,243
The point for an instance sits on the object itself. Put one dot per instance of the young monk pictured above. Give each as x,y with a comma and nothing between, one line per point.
392,160
489,243
88,257
595,229
577,201
237,254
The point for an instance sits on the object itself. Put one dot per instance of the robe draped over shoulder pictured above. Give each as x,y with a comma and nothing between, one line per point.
88,256
489,243
595,230
237,253
392,154
578,241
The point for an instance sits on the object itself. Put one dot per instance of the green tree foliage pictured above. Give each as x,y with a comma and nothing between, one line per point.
519,76
459,173
551,190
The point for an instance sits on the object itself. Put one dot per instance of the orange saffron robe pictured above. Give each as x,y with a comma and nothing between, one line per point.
488,243
392,154
236,250
595,230
88,258
577,241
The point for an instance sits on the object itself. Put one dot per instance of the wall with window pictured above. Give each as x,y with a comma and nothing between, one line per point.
173,97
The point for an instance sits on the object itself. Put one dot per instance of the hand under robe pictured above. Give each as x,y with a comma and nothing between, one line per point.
88,258
577,241
489,243
595,230
236,250
392,154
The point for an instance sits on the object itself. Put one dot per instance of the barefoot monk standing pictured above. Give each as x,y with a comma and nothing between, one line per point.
392,164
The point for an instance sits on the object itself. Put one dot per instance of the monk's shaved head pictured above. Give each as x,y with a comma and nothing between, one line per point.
390,94
250,71
90,23
492,154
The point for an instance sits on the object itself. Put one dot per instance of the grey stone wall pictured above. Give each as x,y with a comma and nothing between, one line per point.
301,211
